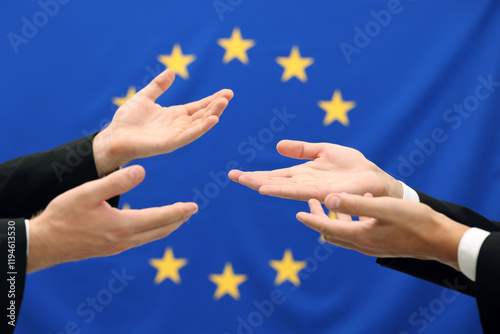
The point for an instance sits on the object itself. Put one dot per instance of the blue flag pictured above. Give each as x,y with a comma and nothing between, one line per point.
413,85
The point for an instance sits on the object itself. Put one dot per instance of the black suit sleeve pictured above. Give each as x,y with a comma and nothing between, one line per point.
29,183
488,283
486,289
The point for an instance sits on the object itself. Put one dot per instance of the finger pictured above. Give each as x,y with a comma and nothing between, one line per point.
200,128
288,189
343,216
234,174
341,243
195,106
225,95
158,85
216,108
114,184
257,183
255,180
266,177
367,195
316,208
158,233
328,227
152,218
300,149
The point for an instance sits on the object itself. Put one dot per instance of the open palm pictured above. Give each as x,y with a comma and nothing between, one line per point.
331,169
142,128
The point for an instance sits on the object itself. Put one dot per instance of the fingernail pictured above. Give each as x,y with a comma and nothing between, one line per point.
135,172
333,202
193,210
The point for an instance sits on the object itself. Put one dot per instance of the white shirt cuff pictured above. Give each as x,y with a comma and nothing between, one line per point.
468,251
409,194
27,224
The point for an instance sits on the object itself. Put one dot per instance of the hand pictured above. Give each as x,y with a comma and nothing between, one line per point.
141,128
396,228
333,169
80,224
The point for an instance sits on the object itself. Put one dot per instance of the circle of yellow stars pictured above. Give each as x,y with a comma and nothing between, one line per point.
236,48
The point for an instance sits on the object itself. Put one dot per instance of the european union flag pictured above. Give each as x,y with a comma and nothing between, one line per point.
414,85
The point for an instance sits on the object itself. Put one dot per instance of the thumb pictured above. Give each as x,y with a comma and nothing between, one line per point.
300,149
158,85
353,205
112,185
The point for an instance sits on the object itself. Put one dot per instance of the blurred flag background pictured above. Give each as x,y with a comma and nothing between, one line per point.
414,85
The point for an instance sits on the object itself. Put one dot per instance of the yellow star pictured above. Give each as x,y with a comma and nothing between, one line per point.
227,282
126,206
168,267
119,101
294,65
287,269
336,109
177,61
236,47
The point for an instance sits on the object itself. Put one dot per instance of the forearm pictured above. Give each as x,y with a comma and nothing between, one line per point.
442,267
438,272
459,213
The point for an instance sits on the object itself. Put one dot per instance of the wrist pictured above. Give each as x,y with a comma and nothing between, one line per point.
106,160
39,247
447,240
393,188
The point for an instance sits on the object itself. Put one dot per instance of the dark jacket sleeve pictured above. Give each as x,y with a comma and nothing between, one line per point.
29,183
488,283
486,289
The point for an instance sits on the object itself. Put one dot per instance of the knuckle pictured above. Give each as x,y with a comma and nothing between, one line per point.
119,248
324,231
354,208
180,210
117,236
114,183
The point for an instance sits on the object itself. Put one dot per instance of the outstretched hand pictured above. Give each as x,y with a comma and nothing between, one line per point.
142,128
387,227
80,224
331,169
